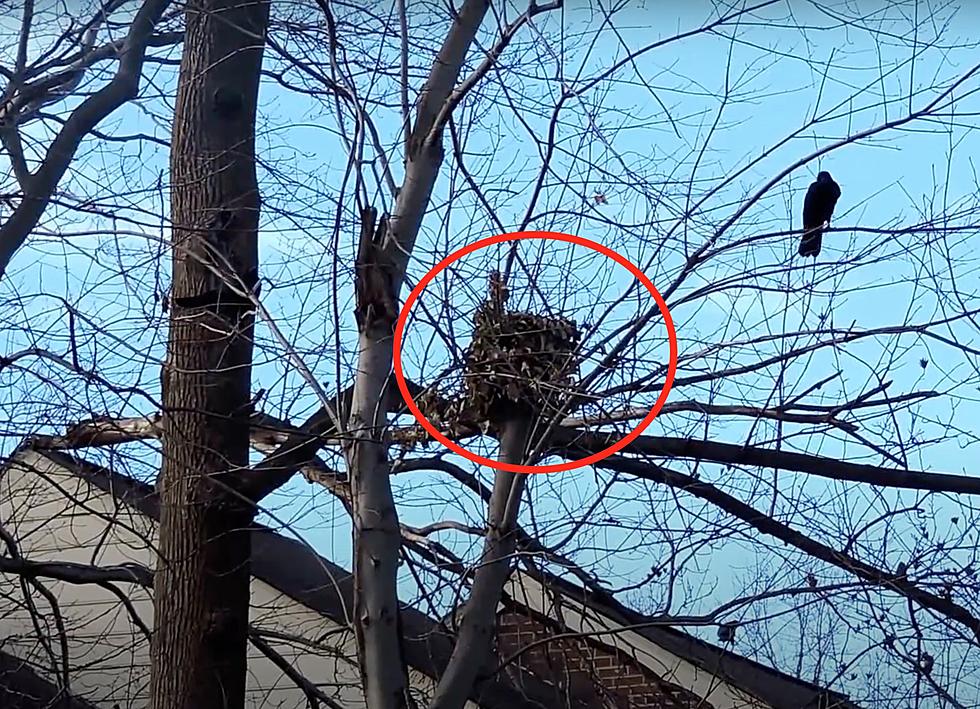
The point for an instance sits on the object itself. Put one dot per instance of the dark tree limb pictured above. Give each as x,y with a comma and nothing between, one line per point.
107,576
314,695
898,583
104,576
75,573
296,447
302,444
731,454
124,87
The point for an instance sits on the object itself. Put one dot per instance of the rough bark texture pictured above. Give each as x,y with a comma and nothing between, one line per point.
474,638
203,577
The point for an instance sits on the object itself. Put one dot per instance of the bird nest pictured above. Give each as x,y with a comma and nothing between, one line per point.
518,362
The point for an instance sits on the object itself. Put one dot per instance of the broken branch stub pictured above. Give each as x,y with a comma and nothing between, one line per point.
373,276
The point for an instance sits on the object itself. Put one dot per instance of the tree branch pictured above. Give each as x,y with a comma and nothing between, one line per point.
767,525
314,695
777,414
123,87
302,444
446,68
525,542
488,63
72,572
731,454
471,652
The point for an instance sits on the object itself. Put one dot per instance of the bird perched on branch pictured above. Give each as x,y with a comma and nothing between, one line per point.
726,632
818,207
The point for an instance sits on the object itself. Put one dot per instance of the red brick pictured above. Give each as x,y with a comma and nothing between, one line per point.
594,674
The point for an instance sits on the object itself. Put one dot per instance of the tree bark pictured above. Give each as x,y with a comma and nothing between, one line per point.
474,640
203,577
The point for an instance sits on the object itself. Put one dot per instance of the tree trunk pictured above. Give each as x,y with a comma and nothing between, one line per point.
382,262
377,537
202,581
474,640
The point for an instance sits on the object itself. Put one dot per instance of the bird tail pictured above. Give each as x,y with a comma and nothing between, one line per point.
810,243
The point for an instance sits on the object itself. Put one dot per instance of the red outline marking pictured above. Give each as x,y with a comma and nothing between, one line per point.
517,236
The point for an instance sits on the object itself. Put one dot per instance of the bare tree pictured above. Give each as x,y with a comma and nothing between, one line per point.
789,493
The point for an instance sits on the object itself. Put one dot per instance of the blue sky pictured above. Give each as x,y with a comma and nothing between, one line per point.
671,123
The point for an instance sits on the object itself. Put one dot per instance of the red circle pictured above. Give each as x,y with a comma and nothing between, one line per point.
517,236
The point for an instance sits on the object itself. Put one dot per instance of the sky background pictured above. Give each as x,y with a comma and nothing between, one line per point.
671,123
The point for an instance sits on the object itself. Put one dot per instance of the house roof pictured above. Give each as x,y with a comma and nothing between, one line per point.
22,688
300,573
297,571
775,688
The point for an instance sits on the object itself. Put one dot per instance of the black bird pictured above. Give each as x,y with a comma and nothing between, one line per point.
726,632
818,207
